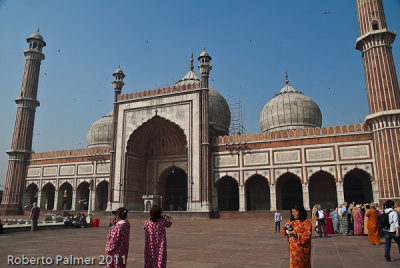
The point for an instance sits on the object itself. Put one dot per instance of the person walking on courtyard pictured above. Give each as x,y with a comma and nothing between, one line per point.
336,220
367,208
314,218
298,232
391,228
372,225
328,222
344,219
278,219
34,216
118,240
358,221
320,216
155,252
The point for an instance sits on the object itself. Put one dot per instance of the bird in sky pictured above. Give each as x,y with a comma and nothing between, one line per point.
147,42
326,13
59,50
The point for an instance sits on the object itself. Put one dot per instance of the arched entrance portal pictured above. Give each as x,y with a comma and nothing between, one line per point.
257,193
158,141
47,200
101,196
322,190
289,191
65,197
82,196
357,187
228,194
173,190
30,196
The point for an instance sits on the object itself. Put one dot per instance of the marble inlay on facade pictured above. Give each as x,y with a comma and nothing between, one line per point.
85,169
49,171
67,170
320,154
283,157
226,160
103,168
34,172
354,152
256,159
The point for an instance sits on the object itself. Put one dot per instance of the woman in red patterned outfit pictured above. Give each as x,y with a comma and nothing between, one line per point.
118,241
299,238
155,252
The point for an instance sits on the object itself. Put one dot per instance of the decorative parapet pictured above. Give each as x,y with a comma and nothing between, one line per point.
294,133
72,153
156,92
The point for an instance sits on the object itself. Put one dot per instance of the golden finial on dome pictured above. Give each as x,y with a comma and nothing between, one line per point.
286,77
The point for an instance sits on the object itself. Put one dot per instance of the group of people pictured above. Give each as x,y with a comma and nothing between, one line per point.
155,253
366,219
79,221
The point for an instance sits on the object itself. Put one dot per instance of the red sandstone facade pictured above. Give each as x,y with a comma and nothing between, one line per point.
163,149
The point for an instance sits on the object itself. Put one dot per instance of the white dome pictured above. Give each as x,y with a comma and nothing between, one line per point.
218,109
290,109
99,134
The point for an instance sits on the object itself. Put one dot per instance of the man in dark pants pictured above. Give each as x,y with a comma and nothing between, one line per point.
35,212
319,213
393,232
278,219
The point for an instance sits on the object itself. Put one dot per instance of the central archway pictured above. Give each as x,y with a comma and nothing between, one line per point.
65,197
289,191
47,201
173,189
156,141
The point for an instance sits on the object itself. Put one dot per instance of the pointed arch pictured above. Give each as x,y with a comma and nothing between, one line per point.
322,190
47,200
289,191
357,186
65,196
228,194
257,193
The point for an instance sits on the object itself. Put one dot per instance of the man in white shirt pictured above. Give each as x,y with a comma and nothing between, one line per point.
278,219
319,213
393,232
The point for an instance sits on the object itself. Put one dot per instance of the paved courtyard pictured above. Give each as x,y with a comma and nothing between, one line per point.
237,242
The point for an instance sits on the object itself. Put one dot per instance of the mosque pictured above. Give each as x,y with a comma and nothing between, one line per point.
171,146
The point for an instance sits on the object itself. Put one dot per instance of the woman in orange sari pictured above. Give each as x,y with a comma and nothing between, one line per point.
373,230
298,231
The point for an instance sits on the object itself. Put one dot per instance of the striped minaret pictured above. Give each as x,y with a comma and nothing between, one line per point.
204,68
21,145
383,94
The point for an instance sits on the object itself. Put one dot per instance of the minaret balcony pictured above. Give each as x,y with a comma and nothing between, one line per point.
378,38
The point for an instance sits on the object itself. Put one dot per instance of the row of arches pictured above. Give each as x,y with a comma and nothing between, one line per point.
64,196
289,191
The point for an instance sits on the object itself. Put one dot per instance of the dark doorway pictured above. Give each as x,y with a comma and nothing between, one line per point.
289,191
101,196
65,197
82,196
175,197
322,190
357,187
47,201
228,194
257,193
31,196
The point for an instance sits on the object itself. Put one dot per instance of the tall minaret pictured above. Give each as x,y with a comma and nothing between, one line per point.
118,84
383,95
204,68
21,144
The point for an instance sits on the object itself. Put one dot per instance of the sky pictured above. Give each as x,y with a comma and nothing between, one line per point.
251,43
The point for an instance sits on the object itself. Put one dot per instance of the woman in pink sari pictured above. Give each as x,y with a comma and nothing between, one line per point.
358,221
155,252
118,241
328,222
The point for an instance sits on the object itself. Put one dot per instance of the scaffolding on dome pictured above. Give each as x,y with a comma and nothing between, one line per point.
237,126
